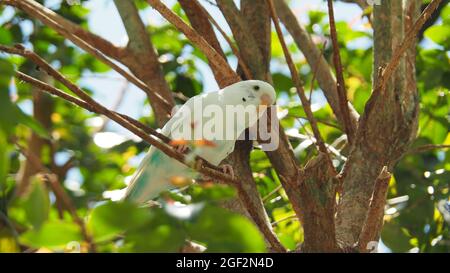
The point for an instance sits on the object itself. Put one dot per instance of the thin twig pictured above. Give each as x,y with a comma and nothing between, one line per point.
427,148
94,45
290,217
267,197
342,92
235,50
200,164
74,100
217,62
298,85
325,77
20,50
135,127
407,43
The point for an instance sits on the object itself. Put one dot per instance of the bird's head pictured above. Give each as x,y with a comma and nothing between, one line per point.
251,92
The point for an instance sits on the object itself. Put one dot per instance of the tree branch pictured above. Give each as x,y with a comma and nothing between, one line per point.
42,111
297,82
200,164
234,49
434,18
200,22
257,16
247,44
374,221
325,77
427,148
217,62
143,59
408,41
341,90
388,125
317,184
71,30
94,45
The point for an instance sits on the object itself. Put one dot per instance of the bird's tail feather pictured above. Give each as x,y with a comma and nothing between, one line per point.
153,177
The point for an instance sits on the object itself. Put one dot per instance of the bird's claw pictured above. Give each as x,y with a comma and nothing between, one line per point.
227,169
181,148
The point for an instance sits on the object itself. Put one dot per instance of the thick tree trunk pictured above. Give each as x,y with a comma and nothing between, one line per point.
387,127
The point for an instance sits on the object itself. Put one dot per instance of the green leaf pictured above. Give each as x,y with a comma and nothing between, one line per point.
439,34
53,235
395,237
223,231
37,203
8,240
5,36
111,219
210,192
445,14
161,234
31,123
282,82
4,162
6,73
8,243
434,129
10,113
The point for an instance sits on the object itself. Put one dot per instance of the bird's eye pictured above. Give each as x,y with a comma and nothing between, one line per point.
256,87
244,100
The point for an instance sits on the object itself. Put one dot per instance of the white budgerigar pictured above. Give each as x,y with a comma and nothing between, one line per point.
158,172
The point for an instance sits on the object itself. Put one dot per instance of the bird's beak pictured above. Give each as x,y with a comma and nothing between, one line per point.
265,100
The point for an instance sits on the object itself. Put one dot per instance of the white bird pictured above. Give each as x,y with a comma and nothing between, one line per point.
206,118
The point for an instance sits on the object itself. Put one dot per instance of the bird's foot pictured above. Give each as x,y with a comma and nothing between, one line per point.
182,149
228,169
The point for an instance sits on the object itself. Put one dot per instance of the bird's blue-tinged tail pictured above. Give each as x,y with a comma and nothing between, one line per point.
157,173
150,178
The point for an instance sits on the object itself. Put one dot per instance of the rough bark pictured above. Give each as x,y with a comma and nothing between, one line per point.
385,132
257,15
317,198
374,221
